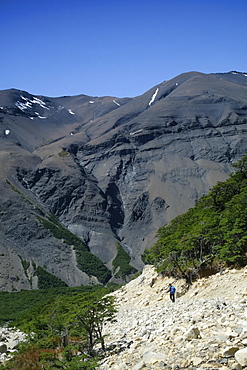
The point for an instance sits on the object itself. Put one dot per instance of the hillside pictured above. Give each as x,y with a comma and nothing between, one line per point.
206,327
203,329
110,171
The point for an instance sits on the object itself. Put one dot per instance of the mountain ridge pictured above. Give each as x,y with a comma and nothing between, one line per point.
112,169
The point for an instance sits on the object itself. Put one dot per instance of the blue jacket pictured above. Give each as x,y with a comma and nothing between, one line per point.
172,289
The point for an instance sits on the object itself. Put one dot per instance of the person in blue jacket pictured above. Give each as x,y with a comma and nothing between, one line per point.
172,291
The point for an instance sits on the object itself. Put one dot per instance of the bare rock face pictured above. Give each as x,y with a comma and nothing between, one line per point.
113,170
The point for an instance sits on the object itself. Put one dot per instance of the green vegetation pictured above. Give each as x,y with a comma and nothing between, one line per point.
25,197
63,153
60,232
13,304
25,264
86,261
121,261
210,235
47,280
60,328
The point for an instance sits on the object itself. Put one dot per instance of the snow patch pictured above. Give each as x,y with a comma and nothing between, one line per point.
28,103
40,102
136,132
71,134
114,101
245,75
70,111
22,106
7,132
91,101
153,97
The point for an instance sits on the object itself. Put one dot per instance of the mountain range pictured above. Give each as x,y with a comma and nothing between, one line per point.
108,172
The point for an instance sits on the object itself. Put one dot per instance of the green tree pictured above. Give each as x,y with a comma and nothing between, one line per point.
60,328
90,319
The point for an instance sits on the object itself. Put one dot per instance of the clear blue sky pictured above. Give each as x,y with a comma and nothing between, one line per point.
118,48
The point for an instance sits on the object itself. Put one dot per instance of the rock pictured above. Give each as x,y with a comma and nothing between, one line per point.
191,333
235,366
3,347
153,357
241,356
229,351
245,313
197,361
140,365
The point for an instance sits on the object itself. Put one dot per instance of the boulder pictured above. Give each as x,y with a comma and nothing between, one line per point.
3,347
241,356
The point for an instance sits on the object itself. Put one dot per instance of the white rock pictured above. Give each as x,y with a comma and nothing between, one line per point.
236,366
153,357
241,357
139,366
191,333
197,361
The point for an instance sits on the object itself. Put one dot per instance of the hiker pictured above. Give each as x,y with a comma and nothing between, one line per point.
172,292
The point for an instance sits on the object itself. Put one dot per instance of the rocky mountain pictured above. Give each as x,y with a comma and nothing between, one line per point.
109,170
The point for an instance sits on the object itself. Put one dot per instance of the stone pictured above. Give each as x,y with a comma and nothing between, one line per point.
153,357
140,365
241,357
245,313
3,347
191,333
235,366
229,351
197,361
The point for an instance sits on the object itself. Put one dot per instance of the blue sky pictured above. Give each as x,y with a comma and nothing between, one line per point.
118,48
